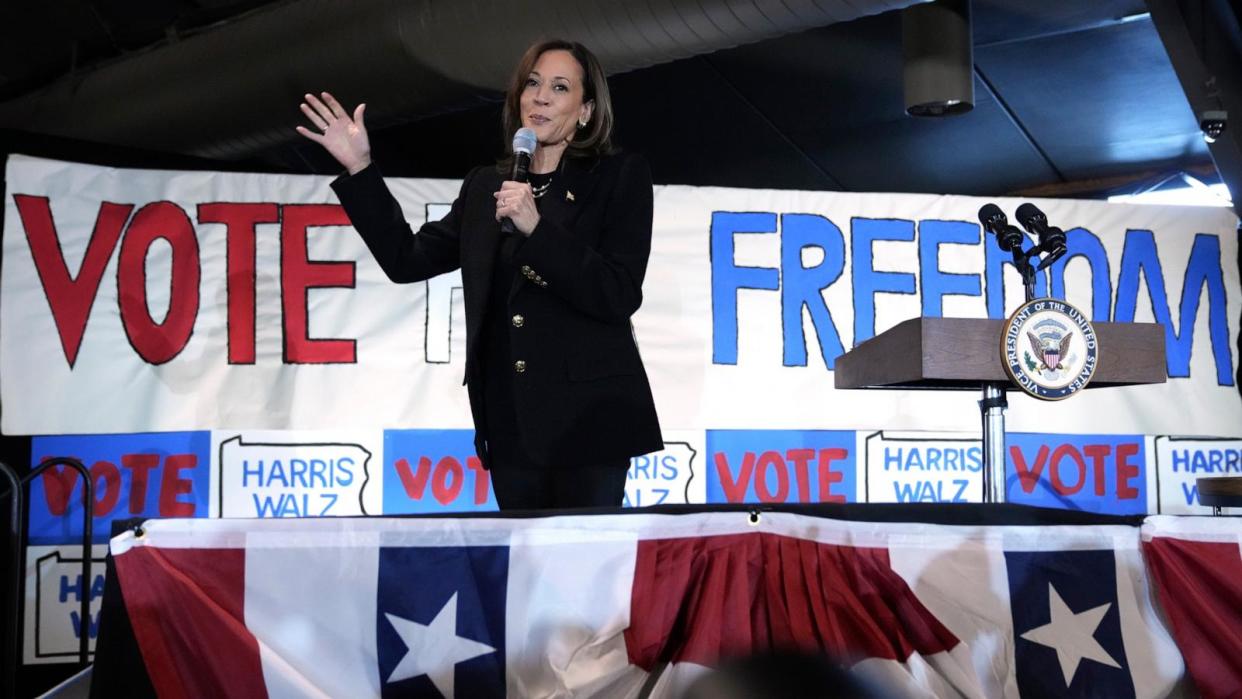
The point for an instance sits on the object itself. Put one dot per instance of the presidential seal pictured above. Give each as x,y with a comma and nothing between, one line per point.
1049,349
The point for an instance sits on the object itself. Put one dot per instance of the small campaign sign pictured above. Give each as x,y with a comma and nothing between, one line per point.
1181,461
1105,473
154,474
781,466
295,474
54,590
672,476
923,467
434,471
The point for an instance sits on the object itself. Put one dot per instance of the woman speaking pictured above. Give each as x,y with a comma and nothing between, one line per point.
557,389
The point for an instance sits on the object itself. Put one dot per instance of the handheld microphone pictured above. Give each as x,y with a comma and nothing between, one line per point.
995,222
1051,238
524,144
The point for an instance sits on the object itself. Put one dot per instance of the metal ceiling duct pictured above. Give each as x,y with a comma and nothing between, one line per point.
233,90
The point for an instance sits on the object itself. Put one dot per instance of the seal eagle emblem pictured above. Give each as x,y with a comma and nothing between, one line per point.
1049,349
1050,352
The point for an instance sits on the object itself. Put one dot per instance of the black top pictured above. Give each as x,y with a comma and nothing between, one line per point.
582,395
504,435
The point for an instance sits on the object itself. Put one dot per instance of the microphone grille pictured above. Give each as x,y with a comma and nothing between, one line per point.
1028,211
524,141
989,213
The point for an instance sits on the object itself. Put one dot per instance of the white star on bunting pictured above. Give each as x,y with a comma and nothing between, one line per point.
1071,635
434,649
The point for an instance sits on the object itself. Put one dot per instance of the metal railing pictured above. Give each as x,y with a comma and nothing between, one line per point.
12,604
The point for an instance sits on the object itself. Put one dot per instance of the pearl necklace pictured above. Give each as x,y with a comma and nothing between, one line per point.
541,189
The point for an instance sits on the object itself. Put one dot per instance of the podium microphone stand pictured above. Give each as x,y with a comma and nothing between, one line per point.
966,353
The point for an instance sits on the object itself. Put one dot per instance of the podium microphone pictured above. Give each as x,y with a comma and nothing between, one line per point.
994,221
524,144
1051,238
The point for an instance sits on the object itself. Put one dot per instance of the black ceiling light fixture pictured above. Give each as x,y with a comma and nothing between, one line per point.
939,58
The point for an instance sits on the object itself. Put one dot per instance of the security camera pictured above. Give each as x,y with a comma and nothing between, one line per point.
1212,123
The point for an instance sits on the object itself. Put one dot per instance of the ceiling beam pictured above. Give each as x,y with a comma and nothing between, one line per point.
1017,123
1110,185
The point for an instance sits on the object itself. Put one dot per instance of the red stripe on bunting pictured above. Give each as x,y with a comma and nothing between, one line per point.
705,598
187,609
1198,586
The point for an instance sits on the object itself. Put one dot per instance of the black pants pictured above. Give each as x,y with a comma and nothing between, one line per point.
601,485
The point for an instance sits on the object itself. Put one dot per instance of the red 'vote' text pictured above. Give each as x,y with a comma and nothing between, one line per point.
770,474
447,478
59,483
1071,470
71,297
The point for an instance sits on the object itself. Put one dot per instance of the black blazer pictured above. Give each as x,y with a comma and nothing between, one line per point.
580,391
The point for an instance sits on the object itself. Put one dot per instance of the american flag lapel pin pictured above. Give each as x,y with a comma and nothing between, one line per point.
569,196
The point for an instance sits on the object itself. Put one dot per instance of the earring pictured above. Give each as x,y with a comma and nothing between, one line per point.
582,124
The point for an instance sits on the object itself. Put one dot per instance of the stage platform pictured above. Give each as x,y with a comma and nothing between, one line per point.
971,600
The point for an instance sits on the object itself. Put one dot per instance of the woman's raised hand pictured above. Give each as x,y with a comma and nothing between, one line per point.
343,137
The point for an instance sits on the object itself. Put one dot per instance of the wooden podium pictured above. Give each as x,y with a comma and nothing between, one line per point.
1220,492
965,354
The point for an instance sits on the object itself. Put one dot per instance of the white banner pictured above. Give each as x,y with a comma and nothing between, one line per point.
143,300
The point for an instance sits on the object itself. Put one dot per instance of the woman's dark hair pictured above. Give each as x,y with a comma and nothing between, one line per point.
592,140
